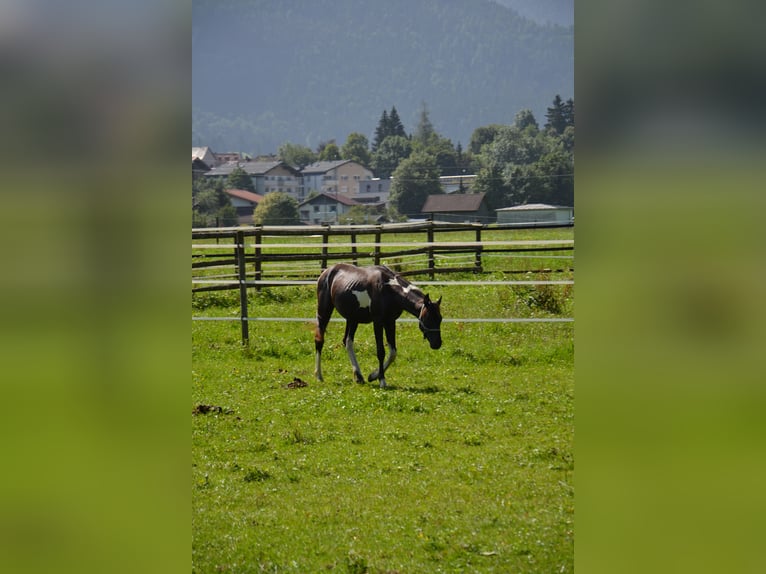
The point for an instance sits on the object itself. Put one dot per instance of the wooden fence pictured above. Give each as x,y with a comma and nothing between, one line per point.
254,257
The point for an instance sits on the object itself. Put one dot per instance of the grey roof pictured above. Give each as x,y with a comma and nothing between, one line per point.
452,202
250,167
323,166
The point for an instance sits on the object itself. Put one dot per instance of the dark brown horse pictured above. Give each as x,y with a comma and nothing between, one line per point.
374,295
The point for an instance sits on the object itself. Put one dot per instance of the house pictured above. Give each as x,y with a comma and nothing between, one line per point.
457,207
325,209
267,176
536,213
206,155
245,203
374,191
341,177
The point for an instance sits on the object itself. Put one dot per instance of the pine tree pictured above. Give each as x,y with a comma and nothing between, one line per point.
381,132
395,127
556,116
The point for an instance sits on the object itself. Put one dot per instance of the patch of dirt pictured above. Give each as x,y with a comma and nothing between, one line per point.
296,384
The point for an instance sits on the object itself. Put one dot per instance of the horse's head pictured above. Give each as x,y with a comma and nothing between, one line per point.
430,320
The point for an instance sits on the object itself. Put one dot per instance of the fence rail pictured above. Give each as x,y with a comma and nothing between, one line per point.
256,257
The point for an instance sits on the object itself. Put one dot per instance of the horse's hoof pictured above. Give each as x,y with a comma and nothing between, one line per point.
373,376
382,383
358,378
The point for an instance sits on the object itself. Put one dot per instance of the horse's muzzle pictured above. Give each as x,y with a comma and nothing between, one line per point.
435,344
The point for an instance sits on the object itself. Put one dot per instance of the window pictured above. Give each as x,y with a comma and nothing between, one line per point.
316,209
332,208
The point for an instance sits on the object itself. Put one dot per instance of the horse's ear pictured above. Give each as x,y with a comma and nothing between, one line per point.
439,301
426,300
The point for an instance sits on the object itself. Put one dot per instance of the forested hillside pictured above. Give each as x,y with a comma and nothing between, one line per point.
559,12
267,72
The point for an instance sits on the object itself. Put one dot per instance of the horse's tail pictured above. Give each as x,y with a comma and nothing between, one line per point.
324,300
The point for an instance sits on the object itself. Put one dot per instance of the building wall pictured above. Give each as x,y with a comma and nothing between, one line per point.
322,210
348,177
553,215
280,179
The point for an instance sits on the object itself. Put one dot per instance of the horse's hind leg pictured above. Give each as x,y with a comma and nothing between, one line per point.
348,342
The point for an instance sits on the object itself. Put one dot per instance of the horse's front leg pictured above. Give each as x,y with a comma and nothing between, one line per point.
381,372
348,342
391,341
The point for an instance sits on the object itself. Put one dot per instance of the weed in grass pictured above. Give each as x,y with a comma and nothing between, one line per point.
256,475
356,564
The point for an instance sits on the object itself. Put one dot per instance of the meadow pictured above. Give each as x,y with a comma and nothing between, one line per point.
463,464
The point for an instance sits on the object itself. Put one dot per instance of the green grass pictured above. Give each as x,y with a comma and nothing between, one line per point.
464,464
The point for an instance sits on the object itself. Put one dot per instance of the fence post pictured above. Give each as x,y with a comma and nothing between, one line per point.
325,237
477,267
353,249
258,274
431,262
240,252
377,245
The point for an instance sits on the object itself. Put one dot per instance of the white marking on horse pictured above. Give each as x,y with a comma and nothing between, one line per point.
395,283
363,298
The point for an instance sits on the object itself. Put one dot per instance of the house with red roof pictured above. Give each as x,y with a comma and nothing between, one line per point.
245,203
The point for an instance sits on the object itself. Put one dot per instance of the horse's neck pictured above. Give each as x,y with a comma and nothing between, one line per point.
411,302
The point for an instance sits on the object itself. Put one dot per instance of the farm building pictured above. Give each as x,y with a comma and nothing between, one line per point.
324,208
457,207
536,213
245,203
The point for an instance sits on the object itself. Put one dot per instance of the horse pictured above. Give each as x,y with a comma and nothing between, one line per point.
374,295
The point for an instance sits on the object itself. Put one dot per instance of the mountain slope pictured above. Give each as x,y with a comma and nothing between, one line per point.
270,71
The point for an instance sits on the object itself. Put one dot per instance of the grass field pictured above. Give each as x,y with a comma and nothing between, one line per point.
464,464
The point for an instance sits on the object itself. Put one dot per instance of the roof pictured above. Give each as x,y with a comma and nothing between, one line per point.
533,206
338,198
323,166
453,202
250,167
244,194
200,152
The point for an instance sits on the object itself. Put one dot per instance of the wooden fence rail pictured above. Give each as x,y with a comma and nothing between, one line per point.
249,246
240,257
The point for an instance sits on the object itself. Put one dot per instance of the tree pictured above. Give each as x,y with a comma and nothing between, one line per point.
356,149
296,155
424,132
381,131
210,205
569,113
389,125
330,152
240,179
490,181
277,208
482,136
525,119
415,179
395,126
556,116
391,152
